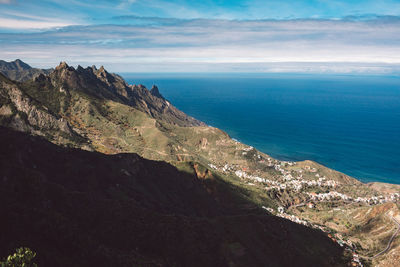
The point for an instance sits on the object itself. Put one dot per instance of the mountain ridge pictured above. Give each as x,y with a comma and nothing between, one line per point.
20,71
114,87
14,65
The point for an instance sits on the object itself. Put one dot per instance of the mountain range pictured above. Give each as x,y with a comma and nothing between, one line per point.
95,171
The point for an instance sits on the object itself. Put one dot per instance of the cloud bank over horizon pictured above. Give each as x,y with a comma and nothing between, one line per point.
131,43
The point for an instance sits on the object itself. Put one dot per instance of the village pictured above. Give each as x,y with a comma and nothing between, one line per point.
295,180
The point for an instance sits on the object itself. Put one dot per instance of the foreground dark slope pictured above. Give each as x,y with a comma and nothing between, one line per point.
79,208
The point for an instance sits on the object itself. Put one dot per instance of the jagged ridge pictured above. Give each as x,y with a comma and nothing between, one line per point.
102,84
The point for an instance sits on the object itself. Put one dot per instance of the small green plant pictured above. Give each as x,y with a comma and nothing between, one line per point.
21,258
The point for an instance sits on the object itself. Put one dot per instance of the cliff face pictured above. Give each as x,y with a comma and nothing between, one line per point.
21,112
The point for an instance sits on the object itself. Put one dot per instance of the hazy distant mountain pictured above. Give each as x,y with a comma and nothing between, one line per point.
14,65
20,71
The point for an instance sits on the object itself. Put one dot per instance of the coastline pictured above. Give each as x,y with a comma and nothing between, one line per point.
383,187
296,120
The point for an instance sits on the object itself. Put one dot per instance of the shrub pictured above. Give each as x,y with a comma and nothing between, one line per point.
21,258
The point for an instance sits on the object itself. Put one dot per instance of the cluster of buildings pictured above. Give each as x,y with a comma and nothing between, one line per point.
281,213
355,262
308,168
293,218
225,168
289,182
278,165
373,200
298,183
338,238
393,197
331,195
243,174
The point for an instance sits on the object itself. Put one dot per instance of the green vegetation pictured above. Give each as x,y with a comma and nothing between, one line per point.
23,257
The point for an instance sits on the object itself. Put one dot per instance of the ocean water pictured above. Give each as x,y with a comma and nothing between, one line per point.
348,123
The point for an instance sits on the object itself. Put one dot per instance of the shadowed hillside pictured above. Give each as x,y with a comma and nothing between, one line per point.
78,208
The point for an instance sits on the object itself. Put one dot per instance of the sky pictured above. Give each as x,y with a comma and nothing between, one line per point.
322,36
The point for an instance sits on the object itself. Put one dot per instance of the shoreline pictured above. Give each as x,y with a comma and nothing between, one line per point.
367,181
280,117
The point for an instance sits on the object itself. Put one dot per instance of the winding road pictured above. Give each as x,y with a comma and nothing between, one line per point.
390,240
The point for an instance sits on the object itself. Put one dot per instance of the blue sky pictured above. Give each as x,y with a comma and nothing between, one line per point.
207,35
93,12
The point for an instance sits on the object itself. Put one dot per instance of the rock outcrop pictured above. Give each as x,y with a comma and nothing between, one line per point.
21,112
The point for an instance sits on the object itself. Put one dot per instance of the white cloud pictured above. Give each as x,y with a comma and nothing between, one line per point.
222,45
9,23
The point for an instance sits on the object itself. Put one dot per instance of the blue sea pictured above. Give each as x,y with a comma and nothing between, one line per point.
348,123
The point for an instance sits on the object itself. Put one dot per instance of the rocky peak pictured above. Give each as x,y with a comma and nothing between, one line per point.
66,75
155,92
102,74
80,68
21,65
64,66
